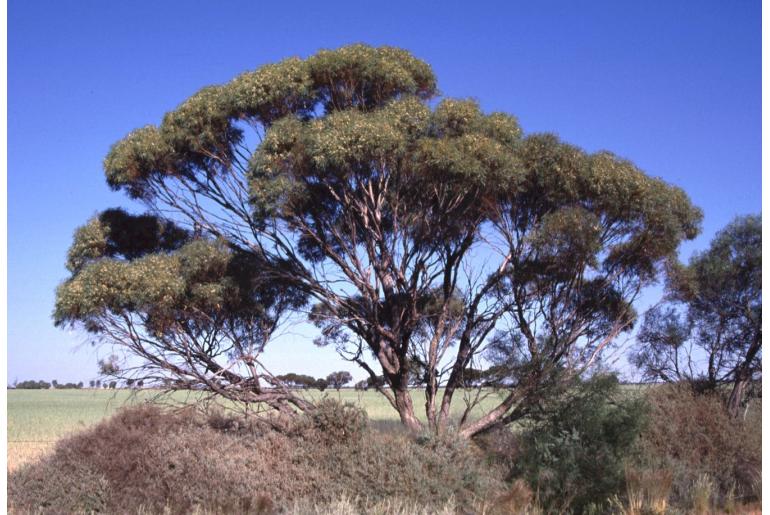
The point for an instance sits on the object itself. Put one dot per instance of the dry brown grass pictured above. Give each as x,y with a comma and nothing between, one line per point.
146,460
714,460
21,453
647,491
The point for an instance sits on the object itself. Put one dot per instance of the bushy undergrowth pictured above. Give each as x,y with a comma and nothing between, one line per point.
147,460
573,454
693,438
599,449
596,449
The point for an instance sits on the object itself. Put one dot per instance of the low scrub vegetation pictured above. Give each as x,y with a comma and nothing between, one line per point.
708,453
573,454
145,459
596,448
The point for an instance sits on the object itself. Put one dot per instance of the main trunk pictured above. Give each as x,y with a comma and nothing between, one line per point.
405,409
743,376
736,397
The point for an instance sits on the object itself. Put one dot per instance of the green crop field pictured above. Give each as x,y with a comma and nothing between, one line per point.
37,419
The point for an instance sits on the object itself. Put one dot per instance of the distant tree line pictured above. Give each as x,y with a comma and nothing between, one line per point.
93,383
337,380
334,380
45,385
491,377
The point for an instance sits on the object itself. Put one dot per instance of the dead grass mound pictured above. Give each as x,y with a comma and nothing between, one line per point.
148,460
693,438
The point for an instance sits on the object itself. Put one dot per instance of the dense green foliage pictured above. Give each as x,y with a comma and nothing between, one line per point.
123,263
574,454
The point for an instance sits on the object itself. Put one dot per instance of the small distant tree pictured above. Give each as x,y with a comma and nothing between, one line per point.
113,385
140,384
321,383
708,331
109,366
55,383
293,380
472,377
307,381
98,383
339,379
362,385
69,386
91,383
375,382
130,382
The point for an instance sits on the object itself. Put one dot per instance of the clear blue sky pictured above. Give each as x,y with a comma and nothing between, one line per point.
673,86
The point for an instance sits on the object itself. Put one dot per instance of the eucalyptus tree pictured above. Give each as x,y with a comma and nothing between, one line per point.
338,379
298,380
414,231
708,332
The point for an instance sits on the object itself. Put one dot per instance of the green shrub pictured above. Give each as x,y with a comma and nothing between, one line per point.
573,453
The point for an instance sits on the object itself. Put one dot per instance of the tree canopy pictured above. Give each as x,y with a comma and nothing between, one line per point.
416,230
709,329
339,379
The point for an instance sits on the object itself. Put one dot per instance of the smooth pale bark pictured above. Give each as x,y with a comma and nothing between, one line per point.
736,397
405,409
490,419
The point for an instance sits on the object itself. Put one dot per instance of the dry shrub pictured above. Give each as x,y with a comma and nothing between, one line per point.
518,499
692,436
647,491
333,422
346,506
702,493
430,470
49,486
147,460
502,445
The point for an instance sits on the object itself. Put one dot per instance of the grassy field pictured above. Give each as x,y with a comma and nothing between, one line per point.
37,419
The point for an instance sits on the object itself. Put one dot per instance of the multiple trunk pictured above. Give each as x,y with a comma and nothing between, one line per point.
381,245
